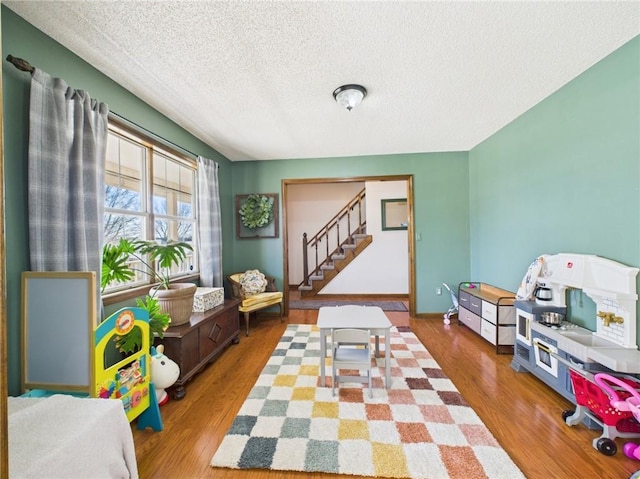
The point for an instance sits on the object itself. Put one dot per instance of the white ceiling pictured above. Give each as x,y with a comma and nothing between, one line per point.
254,79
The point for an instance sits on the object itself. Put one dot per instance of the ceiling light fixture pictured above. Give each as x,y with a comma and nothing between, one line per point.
349,96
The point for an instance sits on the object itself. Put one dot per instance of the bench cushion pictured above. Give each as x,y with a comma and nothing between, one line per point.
260,300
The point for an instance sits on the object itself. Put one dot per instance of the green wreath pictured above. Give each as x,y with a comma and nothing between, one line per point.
256,211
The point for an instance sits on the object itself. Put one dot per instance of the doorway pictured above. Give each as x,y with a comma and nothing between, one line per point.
287,183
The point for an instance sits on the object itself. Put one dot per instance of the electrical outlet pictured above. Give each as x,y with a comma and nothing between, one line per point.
439,291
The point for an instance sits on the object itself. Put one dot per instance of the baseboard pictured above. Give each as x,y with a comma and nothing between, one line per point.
370,296
431,316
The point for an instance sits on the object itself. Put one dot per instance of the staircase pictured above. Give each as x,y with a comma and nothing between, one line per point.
332,268
338,252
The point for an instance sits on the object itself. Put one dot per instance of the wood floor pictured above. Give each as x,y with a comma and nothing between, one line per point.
522,413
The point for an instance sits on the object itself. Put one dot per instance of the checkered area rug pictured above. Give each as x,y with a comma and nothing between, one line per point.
421,427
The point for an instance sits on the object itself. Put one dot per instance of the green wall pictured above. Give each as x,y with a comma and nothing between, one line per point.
22,40
440,211
563,177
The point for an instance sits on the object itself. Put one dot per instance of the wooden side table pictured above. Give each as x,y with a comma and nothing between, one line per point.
195,344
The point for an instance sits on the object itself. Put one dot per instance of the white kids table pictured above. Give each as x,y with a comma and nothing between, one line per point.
357,317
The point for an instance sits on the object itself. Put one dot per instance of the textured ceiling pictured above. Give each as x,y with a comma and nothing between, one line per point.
254,79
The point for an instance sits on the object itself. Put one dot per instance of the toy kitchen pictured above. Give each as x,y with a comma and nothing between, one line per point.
544,331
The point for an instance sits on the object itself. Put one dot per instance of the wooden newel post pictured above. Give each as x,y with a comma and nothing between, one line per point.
305,267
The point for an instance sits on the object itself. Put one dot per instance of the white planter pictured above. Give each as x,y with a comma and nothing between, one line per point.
177,301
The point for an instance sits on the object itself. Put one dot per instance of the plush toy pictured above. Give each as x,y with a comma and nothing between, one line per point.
164,373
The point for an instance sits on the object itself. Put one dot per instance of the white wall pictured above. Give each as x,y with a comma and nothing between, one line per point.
383,267
309,208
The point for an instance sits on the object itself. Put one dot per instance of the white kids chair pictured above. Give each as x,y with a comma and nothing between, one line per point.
351,349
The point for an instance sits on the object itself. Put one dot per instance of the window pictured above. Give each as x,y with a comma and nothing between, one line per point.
150,193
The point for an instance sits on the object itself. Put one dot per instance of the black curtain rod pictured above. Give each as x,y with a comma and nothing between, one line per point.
149,132
25,66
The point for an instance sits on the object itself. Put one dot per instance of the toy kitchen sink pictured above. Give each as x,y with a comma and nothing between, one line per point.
612,287
586,346
610,348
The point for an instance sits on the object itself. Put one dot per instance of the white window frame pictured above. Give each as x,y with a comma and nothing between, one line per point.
147,215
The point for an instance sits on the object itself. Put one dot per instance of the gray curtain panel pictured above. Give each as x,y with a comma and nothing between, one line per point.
209,225
67,150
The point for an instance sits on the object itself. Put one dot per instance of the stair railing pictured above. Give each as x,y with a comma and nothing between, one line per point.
330,235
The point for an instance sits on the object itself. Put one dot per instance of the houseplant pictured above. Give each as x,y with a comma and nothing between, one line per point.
160,302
